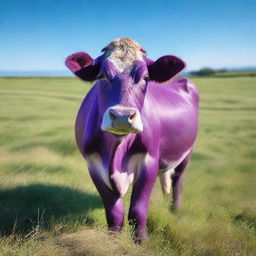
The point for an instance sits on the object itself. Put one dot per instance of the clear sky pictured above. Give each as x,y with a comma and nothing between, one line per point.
39,34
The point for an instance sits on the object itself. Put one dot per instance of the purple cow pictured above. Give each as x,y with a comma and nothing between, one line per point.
133,126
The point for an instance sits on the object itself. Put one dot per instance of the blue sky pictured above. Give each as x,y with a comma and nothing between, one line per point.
39,34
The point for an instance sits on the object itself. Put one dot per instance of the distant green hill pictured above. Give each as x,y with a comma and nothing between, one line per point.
223,74
235,73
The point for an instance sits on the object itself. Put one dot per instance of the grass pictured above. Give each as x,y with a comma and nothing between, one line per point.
49,205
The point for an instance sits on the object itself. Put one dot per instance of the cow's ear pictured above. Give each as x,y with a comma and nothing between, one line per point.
165,68
83,66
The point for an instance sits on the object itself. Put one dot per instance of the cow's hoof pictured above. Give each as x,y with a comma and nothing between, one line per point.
115,229
139,236
175,208
139,239
113,234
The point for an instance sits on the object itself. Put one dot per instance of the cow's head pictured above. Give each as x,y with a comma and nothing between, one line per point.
123,72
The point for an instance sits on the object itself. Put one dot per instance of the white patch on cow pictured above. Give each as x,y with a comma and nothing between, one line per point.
121,181
149,159
95,162
124,179
165,180
165,174
134,166
122,52
135,127
174,164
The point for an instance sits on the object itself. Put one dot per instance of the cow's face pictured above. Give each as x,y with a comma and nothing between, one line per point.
123,72
121,97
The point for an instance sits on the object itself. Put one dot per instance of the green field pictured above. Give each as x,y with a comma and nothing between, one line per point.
49,205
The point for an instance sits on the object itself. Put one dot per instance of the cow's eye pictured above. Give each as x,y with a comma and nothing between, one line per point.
146,78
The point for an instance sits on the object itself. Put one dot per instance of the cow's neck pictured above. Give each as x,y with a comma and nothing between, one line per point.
118,175
117,149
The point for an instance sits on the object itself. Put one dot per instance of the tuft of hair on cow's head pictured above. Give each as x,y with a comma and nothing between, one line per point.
123,72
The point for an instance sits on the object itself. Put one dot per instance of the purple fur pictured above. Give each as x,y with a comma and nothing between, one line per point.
109,70
139,70
169,113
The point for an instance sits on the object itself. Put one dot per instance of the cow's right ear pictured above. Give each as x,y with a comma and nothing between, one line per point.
165,68
83,66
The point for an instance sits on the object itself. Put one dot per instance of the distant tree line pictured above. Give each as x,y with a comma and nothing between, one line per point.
207,71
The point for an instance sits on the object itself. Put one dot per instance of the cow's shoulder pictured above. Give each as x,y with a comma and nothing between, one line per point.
181,87
182,84
186,88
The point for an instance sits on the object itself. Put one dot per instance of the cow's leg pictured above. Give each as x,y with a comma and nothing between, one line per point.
165,180
113,204
141,192
177,183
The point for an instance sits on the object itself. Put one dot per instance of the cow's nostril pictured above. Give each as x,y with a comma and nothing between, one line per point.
112,114
132,116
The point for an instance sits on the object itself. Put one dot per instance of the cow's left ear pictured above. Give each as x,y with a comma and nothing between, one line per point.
165,68
83,66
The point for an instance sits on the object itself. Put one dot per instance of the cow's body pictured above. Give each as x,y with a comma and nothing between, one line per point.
169,116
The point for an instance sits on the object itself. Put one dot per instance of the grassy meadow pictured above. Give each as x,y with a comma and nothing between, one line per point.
49,205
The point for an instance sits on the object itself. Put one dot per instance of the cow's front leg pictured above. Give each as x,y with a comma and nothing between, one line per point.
113,204
141,192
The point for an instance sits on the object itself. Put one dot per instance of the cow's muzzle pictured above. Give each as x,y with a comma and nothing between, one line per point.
122,120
